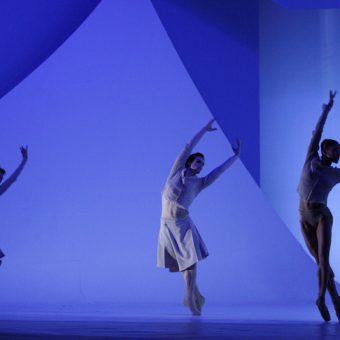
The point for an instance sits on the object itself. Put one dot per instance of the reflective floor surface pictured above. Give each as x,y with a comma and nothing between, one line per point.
122,322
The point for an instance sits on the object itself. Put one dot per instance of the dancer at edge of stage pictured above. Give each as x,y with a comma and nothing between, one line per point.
12,178
317,180
180,245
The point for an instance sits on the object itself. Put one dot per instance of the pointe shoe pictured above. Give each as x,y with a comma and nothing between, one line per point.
323,309
336,304
195,310
200,300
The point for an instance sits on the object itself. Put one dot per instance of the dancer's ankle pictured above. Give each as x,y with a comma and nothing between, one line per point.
320,299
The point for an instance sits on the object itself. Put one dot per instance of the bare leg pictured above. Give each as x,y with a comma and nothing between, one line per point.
309,233
189,276
324,236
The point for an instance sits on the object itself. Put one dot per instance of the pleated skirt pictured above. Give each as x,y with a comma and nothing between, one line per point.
179,244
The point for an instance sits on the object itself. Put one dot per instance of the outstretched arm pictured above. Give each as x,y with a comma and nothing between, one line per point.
182,157
317,133
213,175
12,178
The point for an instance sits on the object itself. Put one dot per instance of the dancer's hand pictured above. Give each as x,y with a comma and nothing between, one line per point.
332,95
237,147
209,126
24,152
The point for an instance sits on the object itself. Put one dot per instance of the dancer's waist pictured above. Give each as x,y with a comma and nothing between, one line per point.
173,209
305,205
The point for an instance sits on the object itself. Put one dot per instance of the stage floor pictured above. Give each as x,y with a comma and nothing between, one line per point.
166,323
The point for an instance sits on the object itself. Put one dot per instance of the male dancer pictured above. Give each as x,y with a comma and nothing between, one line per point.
317,180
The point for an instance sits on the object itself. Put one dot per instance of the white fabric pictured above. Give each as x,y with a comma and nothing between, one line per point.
180,245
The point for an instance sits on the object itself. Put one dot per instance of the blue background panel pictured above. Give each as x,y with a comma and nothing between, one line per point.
104,118
217,42
32,30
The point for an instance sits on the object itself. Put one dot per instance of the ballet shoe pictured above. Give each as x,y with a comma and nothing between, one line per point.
195,310
323,309
200,300
337,308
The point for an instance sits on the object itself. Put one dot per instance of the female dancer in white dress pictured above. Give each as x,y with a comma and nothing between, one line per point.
317,180
180,245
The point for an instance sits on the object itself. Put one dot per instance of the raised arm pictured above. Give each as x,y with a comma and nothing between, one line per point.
213,175
12,178
182,157
317,133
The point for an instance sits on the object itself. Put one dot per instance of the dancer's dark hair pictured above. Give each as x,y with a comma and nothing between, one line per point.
326,143
192,157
